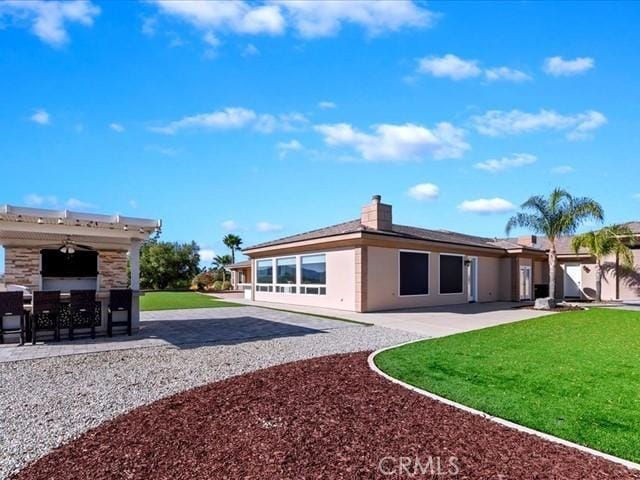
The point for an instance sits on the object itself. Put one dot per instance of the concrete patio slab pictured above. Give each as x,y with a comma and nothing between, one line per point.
426,321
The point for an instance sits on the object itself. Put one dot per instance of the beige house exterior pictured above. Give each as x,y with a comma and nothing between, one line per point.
371,264
27,234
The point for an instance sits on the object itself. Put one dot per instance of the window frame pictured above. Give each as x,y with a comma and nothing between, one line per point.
298,287
272,283
312,285
428,254
440,272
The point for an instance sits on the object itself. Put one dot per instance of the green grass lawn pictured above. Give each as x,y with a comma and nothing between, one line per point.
177,300
575,375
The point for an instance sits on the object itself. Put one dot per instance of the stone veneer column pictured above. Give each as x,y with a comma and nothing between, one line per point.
22,266
134,263
113,269
361,279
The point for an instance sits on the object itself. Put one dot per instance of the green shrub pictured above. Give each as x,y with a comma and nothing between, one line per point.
217,286
226,285
203,281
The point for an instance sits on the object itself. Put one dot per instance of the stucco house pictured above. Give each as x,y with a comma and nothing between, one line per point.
371,264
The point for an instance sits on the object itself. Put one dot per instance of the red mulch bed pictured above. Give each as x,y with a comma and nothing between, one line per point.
328,418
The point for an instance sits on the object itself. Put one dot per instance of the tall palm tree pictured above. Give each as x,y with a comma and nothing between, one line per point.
233,242
220,263
557,215
613,240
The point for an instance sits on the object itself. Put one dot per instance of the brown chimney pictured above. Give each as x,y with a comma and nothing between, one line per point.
377,215
527,240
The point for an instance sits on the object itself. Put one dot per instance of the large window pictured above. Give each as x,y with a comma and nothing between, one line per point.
264,271
414,273
314,269
451,274
286,270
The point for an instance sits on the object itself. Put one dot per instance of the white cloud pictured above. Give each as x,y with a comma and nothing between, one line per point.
133,203
235,118
230,225
559,67
35,200
309,19
149,25
74,203
424,191
250,50
268,227
207,255
486,206
166,151
397,142
324,18
456,68
495,165
450,66
285,147
562,169
210,39
116,127
579,126
48,19
636,196
51,201
326,105
41,117
237,17
505,74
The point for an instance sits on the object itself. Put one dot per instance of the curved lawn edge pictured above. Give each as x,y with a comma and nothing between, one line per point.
498,420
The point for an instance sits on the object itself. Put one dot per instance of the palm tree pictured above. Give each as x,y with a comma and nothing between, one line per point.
558,215
613,240
233,242
220,263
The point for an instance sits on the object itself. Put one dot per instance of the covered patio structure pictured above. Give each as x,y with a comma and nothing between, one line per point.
63,250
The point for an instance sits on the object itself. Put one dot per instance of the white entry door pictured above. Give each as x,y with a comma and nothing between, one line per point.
572,280
525,283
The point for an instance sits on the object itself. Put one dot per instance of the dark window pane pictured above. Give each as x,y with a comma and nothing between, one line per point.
450,274
286,270
264,271
314,270
414,273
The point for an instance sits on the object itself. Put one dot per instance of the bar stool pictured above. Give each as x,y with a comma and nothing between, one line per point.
45,303
82,308
120,300
12,304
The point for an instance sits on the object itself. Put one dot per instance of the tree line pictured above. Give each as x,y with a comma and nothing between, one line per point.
176,266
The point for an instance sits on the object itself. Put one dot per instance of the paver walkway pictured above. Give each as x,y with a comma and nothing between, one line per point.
186,329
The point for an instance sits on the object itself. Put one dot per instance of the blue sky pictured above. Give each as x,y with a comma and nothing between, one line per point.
271,118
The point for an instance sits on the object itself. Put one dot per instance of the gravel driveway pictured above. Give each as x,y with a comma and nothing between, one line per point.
46,402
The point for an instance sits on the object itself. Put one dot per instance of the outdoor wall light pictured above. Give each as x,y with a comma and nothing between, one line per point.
68,248
467,263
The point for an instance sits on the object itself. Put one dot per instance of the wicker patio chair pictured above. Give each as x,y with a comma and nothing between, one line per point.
12,304
45,313
82,309
120,300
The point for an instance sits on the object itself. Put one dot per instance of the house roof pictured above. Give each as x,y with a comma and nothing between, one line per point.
400,231
243,264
